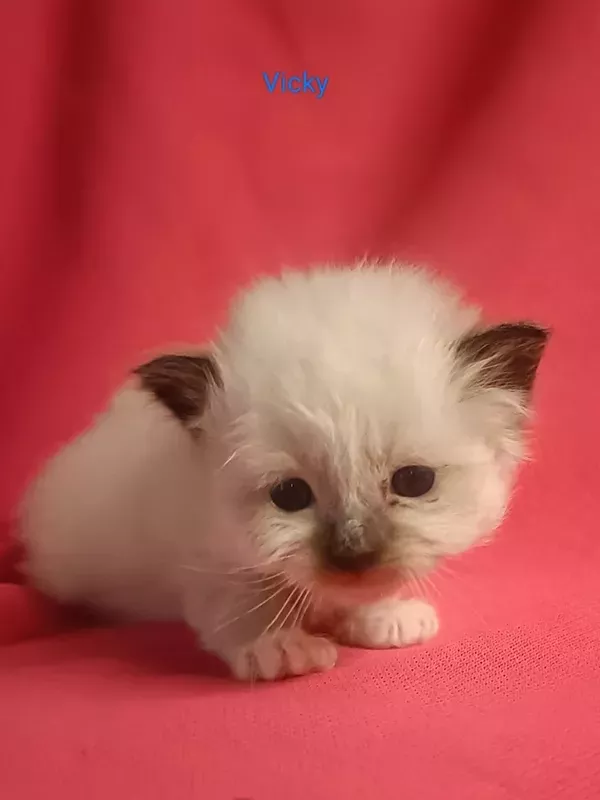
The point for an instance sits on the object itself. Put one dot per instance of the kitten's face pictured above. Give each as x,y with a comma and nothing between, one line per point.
352,506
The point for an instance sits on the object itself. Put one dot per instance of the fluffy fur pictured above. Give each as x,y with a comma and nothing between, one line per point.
162,508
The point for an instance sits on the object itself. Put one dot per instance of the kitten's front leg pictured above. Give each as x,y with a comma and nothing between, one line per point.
256,631
388,623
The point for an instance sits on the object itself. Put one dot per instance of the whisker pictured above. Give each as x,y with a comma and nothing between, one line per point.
254,608
263,565
241,580
237,570
300,605
445,569
304,606
421,587
430,583
410,583
251,591
231,458
263,579
293,594
291,611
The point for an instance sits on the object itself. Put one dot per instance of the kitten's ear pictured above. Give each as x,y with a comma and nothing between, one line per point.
503,357
182,383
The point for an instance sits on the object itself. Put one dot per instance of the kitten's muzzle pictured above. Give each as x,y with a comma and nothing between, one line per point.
349,548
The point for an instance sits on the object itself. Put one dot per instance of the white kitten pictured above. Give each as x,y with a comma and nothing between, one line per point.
347,430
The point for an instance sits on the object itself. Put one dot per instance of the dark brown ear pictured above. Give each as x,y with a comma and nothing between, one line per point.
181,382
506,356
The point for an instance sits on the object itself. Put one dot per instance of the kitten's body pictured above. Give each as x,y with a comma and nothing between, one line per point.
114,500
334,379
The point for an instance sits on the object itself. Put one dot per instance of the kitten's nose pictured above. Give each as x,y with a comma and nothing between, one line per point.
348,553
350,561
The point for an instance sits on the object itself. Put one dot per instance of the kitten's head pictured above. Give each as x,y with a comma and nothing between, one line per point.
361,423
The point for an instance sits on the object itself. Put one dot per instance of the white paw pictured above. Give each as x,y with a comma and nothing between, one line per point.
282,654
392,623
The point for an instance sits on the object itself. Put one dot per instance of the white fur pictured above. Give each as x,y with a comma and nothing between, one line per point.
389,623
336,376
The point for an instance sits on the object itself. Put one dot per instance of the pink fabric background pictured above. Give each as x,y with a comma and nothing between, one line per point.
146,172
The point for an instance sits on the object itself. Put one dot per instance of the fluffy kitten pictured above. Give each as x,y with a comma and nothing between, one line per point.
347,429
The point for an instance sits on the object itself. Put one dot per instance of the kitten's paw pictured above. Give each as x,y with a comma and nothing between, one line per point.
283,654
392,623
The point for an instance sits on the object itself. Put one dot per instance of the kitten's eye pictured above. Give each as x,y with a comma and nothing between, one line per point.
412,481
292,495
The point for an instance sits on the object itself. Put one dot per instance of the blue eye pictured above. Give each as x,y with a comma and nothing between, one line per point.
412,481
292,495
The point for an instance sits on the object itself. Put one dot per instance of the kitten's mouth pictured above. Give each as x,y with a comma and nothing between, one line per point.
374,583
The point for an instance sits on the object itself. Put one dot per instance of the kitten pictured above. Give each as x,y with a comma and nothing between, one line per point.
347,430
